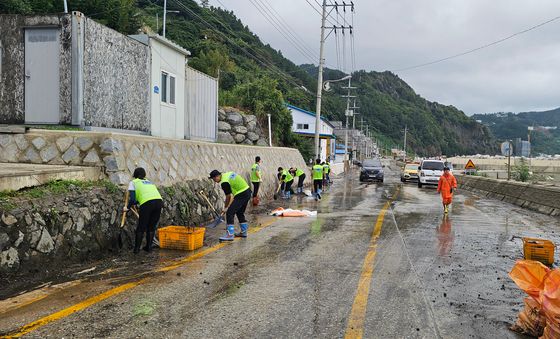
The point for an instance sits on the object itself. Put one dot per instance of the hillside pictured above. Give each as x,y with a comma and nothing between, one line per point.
256,77
545,138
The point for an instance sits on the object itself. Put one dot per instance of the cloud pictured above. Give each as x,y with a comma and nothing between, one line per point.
520,74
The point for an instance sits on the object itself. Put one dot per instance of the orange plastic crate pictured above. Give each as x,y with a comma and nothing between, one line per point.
181,237
539,249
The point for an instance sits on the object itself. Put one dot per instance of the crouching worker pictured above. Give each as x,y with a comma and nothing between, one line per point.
287,181
144,193
238,194
300,175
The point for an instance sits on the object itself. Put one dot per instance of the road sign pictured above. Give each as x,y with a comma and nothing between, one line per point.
506,148
470,165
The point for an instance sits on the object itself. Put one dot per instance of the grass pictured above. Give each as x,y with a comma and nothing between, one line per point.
59,128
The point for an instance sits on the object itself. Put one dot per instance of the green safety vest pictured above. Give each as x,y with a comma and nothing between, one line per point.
298,172
254,170
326,168
145,191
317,172
289,177
237,183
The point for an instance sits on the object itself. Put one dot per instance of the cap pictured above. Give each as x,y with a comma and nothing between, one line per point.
446,168
214,174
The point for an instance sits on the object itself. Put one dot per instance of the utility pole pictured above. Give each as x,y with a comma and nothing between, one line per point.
404,147
509,159
164,15
348,113
322,63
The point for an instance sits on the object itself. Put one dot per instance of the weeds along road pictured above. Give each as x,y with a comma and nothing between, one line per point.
379,261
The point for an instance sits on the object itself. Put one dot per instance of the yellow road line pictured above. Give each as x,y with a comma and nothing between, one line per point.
117,290
355,327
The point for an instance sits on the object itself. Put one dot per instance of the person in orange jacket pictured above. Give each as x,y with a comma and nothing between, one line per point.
446,184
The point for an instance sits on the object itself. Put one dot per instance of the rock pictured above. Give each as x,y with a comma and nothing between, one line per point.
111,145
114,164
229,110
21,142
119,178
80,224
252,136
31,156
222,115
235,119
19,239
91,158
9,259
84,143
46,242
47,154
72,155
223,126
251,126
262,142
225,138
249,118
9,153
39,219
67,225
5,140
240,129
39,143
4,240
134,152
239,138
63,143
86,213
248,142
8,219
28,220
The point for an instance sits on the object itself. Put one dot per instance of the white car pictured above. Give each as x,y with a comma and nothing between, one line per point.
429,172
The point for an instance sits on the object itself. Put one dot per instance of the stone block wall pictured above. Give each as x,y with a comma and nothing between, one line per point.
167,161
543,199
237,127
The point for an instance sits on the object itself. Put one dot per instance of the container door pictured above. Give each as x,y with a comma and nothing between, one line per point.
42,81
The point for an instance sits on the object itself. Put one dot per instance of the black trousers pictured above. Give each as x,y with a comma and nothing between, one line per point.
237,208
150,211
288,186
301,180
256,186
317,184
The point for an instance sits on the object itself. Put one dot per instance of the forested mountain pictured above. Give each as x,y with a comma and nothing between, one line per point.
545,137
256,77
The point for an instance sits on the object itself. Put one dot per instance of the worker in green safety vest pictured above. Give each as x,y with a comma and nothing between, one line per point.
326,171
300,175
256,179
238,194
318,175
287,179
144,193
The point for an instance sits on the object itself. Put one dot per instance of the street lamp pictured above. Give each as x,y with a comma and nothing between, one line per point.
326,87
165,11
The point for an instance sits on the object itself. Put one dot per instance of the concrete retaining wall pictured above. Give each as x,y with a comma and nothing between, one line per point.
539,198
167,161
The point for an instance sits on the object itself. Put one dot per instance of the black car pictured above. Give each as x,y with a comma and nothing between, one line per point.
372,170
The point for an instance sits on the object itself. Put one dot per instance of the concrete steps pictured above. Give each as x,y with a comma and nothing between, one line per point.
15,176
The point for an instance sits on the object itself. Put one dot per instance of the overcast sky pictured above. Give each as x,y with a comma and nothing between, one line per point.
520,74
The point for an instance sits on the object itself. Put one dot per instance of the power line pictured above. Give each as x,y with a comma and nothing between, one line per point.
477,48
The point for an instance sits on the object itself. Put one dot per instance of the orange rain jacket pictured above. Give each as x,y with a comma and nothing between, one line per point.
445,184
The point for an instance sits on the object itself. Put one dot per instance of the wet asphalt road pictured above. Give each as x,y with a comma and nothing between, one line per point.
432,276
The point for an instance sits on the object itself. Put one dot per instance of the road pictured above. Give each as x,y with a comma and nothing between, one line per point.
379,261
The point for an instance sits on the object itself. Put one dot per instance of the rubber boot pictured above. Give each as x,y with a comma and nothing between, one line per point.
287,195
138,242
319,194
244,227
230,234
149,241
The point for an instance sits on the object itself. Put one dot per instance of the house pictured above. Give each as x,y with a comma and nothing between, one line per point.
304,125
67,69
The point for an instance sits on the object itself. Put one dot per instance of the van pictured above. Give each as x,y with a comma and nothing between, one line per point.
429,172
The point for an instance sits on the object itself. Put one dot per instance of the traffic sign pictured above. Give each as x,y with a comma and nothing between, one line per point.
470,165
506,148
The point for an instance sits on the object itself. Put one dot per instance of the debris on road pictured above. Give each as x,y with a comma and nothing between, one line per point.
541,315
281,212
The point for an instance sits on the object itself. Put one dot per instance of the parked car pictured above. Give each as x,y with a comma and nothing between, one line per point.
372,170
410,172
429,172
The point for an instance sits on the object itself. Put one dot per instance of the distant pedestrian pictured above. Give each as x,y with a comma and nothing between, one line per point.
144,193
238,194
318,175
256,179
300,175
446,184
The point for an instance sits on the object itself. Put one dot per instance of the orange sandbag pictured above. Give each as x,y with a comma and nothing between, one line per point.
530,321
529,275
551,304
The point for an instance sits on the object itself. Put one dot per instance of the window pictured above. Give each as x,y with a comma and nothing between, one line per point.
167,88
302,126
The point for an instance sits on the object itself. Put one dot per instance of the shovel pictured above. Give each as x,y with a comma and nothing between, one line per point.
219,219
275,196
122,231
